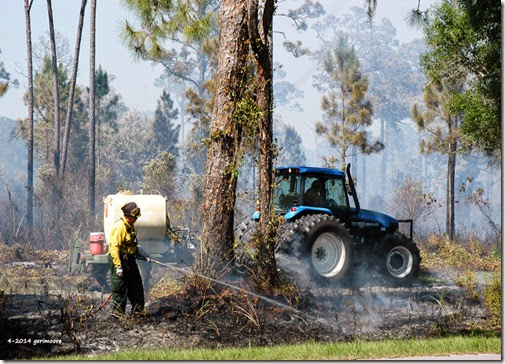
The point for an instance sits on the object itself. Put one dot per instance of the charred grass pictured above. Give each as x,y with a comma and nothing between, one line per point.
473,264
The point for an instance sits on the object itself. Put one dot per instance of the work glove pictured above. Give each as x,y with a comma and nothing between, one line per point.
119,272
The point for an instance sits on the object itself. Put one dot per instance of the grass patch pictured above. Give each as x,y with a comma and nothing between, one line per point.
481,343
164,287
493,299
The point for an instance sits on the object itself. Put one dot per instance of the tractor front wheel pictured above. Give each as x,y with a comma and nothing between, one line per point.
398,259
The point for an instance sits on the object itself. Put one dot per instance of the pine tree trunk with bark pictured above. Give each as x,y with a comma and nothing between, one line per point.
363,196
221,169
68,120
91,147
29,202
260,34
56,93
451,175
384,157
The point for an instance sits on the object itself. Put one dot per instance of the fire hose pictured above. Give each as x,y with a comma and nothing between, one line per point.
102,305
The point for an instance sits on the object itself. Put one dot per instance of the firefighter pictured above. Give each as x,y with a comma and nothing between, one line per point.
125,275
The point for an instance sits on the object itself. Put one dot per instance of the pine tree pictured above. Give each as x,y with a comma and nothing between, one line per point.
225,135
166,134
29,101
443,134
56,91
291,153
68,120
92,126
347,112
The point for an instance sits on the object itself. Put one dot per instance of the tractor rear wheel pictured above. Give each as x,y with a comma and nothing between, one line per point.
245,230
315,249
397,259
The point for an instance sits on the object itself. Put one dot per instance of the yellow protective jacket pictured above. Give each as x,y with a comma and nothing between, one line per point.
123,240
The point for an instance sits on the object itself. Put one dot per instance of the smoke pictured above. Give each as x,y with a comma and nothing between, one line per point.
365,305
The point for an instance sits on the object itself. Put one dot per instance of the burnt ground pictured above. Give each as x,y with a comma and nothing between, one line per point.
45,318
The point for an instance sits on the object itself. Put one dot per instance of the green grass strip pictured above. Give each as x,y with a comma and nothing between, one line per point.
318,351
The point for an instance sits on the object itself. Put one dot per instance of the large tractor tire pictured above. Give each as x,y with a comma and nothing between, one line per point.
397,258
245,230
315,249
243,251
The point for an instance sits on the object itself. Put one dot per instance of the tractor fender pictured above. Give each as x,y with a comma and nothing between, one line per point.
299,211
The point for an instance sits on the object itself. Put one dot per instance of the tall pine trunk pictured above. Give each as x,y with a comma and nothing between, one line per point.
384,159
260,34
70,105
221,168
91,146
354,164
451,175
363,196
29,188
56,92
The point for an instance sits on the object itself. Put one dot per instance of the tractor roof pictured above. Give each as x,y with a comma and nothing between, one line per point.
304,169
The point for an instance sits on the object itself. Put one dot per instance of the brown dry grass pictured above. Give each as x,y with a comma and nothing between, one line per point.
165,287
26,270
27,253
439,252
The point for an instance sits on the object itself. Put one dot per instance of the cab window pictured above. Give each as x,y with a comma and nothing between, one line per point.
336,198
313,192
287,192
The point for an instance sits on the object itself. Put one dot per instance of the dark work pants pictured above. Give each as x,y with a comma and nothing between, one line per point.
130,285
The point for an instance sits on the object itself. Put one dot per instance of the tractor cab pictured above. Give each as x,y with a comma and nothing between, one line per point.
302,190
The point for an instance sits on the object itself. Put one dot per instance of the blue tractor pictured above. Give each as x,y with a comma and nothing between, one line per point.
324,239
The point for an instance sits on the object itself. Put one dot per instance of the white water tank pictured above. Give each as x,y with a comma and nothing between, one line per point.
150,226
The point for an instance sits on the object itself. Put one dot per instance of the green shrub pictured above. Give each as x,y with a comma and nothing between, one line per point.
492,299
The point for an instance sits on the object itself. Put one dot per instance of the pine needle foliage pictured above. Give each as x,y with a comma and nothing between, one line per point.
347,111
183,21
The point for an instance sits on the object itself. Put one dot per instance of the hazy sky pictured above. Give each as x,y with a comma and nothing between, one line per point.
134,80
